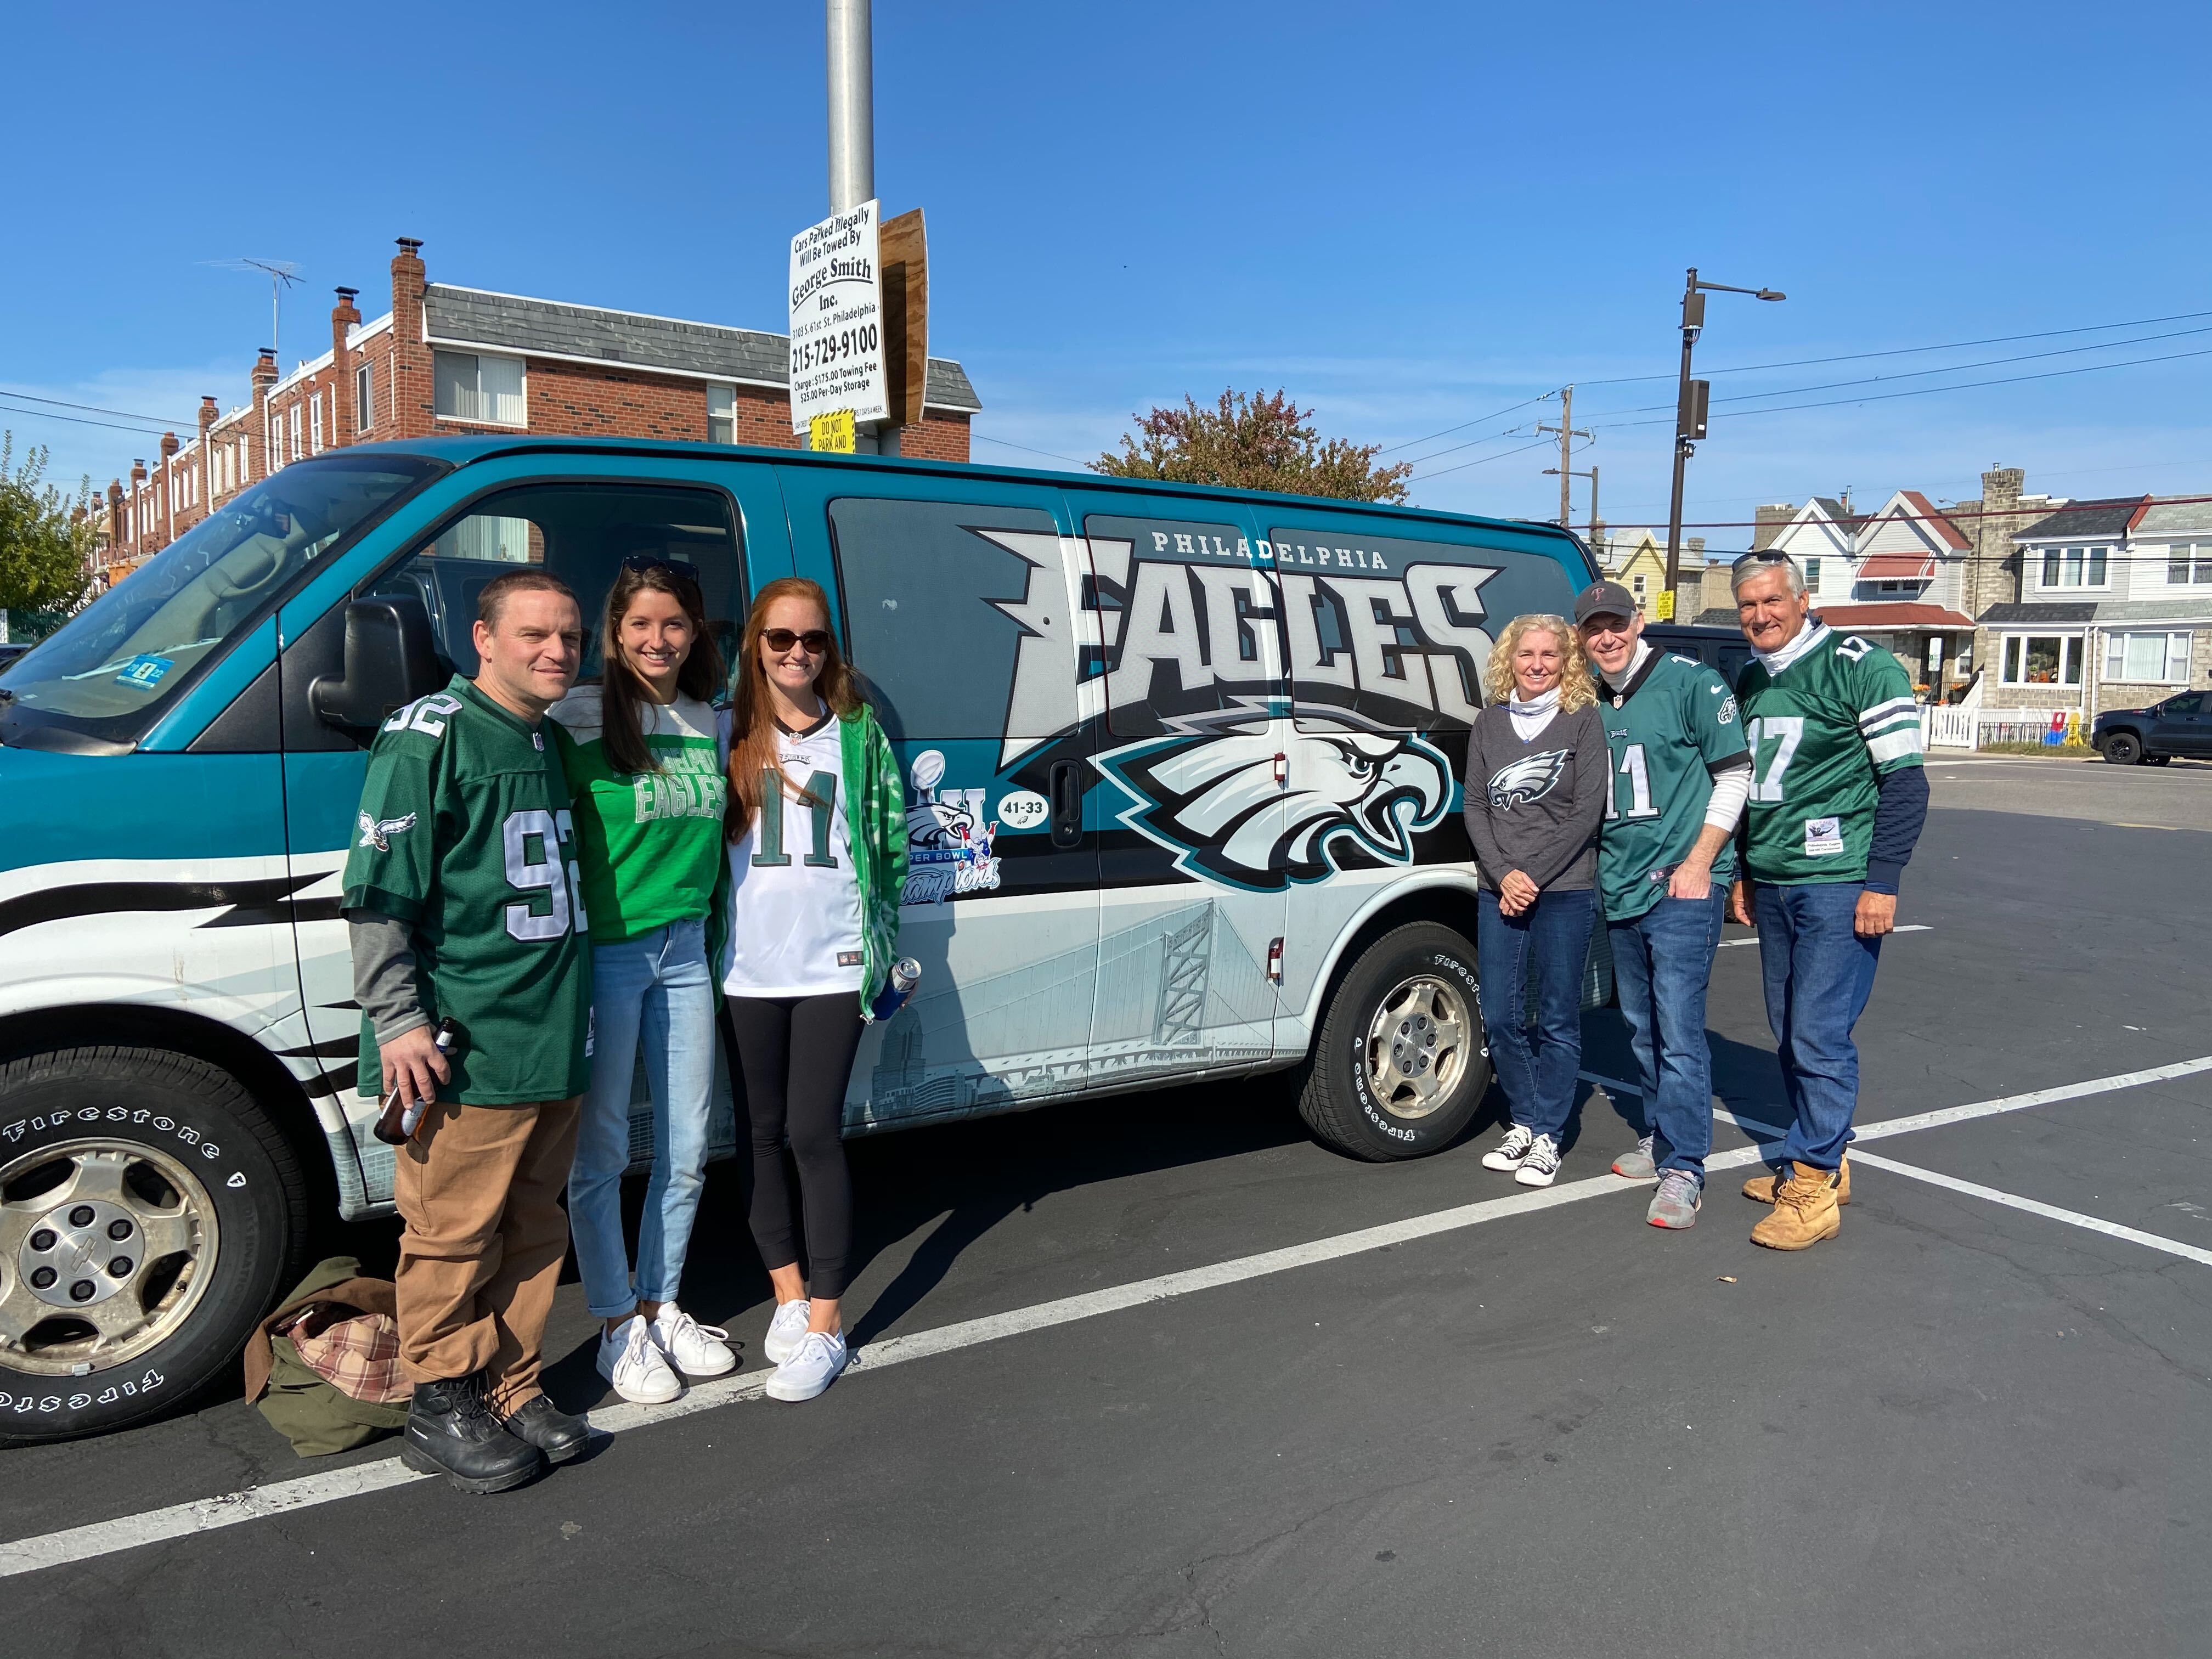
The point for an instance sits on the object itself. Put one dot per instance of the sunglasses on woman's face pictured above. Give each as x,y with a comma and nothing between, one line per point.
816,640
682,570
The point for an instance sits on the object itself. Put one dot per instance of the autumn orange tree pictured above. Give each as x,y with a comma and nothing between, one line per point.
1262,441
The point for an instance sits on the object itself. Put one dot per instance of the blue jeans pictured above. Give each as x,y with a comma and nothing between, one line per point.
1818,975
656,986
1663,962
1535,1064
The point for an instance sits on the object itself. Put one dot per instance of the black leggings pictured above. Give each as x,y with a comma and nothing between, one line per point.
796,1054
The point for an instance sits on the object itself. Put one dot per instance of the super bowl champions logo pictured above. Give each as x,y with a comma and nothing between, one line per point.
1267,712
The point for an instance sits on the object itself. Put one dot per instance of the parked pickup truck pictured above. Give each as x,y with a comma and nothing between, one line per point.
2182,725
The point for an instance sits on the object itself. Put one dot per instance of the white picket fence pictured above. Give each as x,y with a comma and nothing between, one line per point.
1970,728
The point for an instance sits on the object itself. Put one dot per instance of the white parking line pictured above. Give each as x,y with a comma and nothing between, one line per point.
235,1509
1908,927
208,1515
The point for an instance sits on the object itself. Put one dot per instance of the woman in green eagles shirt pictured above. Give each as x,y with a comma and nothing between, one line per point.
643,753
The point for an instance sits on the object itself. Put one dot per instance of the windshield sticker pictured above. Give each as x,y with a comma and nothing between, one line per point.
144,674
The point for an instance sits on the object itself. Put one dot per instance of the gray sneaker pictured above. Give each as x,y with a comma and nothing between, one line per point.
1639,1165
1675,1204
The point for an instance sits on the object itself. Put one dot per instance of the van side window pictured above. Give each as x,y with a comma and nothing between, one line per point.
934,606
1398,633
1188,622
580,533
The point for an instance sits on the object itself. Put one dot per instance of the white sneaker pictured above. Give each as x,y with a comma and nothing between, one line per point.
630,1359
694,1349
813,1368
1509,1152
1540,1165
785,1329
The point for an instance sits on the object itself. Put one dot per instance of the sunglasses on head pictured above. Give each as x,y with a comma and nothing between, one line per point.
682,569
1767,555
816,640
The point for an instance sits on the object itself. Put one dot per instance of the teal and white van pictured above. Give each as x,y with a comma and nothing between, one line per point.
1183,786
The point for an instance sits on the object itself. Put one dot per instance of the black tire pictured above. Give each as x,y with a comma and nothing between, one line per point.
2123,749
1340,1101
108,1151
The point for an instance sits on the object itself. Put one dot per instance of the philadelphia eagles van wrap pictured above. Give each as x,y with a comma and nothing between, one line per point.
1182,778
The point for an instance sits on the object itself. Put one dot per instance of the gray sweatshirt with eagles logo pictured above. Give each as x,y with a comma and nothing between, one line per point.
1535,806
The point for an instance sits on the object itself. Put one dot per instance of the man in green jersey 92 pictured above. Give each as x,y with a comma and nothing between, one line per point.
462,893
1838,797
1680,775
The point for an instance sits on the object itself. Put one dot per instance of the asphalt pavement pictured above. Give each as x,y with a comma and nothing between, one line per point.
1972,1424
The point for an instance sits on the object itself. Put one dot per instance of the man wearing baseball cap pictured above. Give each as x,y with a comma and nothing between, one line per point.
1680,775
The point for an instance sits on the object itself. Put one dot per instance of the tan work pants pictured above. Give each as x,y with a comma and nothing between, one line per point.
479,1189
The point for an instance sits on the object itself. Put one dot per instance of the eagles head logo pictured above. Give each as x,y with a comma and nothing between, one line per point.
1531,778
1208,791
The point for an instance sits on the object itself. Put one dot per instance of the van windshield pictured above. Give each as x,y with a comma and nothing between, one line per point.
115,665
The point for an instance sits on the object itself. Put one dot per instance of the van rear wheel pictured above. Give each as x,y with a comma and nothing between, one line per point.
1401,1066
150,1214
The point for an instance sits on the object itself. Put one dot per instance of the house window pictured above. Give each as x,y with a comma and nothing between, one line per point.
315,424
2075,567
2187,563
364,398
2042,660
1639,586
294,424
1813,574
474,388
2147,659
722,416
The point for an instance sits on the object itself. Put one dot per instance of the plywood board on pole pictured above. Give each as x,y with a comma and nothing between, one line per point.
903,248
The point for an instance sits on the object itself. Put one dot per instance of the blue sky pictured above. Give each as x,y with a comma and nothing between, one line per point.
1411,216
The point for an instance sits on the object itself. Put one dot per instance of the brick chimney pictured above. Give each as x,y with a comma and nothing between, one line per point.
1770,521
343,317
114,519
167,478
259,444
411,391
210,411
1993,574
137,508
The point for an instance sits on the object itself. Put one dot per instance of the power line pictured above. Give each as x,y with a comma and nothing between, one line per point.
1049,453
1463,425
1541,443
95,409
1926,390
1454,449
79,420
1901,351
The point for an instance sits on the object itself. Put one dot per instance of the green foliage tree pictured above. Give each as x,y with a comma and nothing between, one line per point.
45,555
1262,441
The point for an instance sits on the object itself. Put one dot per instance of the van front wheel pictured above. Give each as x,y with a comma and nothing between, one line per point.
150,1211
1401,1066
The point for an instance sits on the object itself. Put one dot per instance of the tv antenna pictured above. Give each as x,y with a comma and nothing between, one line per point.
282,274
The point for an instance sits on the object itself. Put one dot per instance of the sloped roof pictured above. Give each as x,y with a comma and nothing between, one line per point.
2165,519
1945,530
551,328
1897,567
1893,616
2072,611
2110,516
1836,510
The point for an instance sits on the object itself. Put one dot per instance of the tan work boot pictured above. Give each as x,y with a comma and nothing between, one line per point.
1804,1211
1762,1185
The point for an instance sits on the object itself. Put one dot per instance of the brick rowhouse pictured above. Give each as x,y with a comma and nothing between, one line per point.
450,360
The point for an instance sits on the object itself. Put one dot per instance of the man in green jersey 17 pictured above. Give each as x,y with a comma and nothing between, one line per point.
1680,776
1839,796
463,895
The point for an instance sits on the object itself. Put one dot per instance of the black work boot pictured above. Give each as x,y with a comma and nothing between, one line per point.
452,1431
547,1427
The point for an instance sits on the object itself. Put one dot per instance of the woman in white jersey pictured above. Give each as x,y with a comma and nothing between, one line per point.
817,829
643,754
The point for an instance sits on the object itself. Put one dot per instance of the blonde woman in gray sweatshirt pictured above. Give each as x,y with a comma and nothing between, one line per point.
1537,771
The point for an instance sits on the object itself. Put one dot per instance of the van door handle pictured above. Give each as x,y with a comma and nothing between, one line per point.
1066,803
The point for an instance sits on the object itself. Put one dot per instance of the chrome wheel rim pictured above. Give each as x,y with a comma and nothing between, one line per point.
1418,1046
105,1251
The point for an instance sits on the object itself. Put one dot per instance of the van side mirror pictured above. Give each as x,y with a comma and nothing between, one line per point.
389,662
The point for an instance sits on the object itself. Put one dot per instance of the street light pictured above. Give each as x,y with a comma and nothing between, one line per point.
1690,406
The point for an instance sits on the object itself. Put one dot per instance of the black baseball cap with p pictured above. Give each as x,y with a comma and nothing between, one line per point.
1604,599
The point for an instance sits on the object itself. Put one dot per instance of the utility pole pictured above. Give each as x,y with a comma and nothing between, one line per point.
1567,434
1690,403
853,142
1566,473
